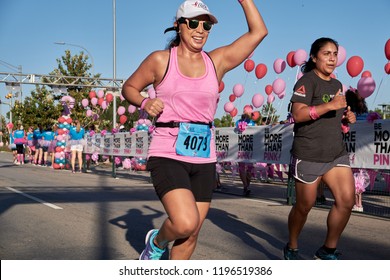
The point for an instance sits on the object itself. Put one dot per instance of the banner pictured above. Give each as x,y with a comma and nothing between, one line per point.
367,143
270,144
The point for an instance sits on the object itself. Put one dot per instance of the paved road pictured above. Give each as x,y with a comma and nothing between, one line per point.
54,215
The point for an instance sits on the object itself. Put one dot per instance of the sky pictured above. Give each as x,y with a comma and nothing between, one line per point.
28,30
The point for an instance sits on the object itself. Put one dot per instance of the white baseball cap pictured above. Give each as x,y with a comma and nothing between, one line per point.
194,8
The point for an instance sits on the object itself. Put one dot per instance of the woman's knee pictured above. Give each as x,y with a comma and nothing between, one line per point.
304,207
185,226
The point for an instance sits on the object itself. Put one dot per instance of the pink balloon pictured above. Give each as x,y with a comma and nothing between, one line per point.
279,65
282,95
121,110
228,107
121,97
279,85
248,109
100,93
148,122
257,100
152,93
89,113
300,57
238,90
341,56
85,102
366,86
104,105
270,98
300,74
131,109
94,101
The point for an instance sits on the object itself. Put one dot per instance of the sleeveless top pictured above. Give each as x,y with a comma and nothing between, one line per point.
185,100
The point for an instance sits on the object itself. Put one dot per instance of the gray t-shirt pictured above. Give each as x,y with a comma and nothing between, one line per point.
320,140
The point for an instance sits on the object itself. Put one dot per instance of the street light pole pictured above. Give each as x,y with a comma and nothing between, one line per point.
114,77
74,45
114,59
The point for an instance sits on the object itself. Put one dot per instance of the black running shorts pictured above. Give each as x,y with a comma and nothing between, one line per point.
169,174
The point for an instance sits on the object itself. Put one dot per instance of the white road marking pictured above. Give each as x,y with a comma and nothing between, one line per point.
36,199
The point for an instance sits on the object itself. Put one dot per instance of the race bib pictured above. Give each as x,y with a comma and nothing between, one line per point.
193,140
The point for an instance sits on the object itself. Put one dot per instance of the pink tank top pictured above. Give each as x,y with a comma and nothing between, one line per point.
185,100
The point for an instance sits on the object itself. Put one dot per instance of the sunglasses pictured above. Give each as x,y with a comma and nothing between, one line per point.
194,23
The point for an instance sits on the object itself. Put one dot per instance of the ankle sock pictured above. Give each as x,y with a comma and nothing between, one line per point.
329,250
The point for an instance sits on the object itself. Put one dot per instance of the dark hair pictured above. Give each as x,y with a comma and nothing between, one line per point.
356,102
174,42
315,48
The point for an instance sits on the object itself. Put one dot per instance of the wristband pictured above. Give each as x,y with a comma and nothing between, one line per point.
143,103
313,113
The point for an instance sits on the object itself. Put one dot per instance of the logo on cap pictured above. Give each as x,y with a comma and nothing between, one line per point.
199,4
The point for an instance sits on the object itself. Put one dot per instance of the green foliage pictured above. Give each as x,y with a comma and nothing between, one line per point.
37,109
225,121
268,113
43,106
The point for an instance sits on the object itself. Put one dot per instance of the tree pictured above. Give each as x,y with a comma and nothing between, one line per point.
37,109
225,121
44,106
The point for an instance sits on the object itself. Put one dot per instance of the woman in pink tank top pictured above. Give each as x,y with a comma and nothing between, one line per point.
181,156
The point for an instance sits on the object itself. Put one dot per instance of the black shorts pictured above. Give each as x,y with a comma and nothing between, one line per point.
169,174
20,148
308,171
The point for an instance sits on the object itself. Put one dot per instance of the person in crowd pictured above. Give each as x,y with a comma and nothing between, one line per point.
12,145
37,137
76,135
357,103
48,136
88,157
245,169
318,151
53,145
19,140
186,80
359,107
30,144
